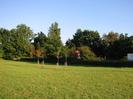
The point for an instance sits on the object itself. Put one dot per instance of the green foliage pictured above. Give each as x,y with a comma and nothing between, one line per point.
6,43
54,32
51,45
40,43
111,46
1,52
19,80
79,55
69,43
40,40
87,54
86,38
122,47
54,43
111,37
15,43
22,37
117,46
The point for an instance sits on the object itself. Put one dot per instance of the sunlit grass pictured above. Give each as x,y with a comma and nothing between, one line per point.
31,81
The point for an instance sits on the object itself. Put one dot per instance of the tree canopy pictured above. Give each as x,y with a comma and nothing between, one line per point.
22,42
15,42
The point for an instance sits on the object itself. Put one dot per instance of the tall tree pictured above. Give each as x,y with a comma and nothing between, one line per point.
108,44
7,43
22,35
40,43
54,40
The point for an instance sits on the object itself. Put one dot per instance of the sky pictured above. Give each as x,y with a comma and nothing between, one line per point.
101,15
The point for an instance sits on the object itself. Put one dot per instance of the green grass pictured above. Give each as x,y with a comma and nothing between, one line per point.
20,80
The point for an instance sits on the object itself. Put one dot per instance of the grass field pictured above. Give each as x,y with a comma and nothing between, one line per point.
19,80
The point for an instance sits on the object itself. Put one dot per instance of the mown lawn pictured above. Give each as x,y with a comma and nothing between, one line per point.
19,80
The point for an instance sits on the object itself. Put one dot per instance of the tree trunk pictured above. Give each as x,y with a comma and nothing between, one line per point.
57,61
43,61
38,60
66,60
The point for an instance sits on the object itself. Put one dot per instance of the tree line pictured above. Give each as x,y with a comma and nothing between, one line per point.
86,45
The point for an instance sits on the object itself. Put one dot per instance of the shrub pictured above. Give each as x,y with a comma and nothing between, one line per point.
87,54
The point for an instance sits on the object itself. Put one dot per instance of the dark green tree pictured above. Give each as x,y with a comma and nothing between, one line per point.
41,39
7,43
108,44
40,43
86,38
15,43
70,43
117,46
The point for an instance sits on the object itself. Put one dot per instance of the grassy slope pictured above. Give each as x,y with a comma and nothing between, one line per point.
24,80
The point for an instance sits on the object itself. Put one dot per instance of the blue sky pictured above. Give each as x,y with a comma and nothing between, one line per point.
100,15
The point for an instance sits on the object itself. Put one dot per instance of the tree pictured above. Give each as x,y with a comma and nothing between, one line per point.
40,43
38,53
23,35
130,44
15,43
70,43
122,47
54,43
111,37
41,39
1,51
117,46
65,52
6,43
108,44
86,38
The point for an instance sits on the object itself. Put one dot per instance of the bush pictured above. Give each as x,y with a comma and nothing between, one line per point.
1,52
87,54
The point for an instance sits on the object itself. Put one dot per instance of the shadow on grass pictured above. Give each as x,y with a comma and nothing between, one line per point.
109,63
105,63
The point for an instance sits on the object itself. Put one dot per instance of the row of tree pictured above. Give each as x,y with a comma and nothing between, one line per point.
110,46
85,45
15,42
21,42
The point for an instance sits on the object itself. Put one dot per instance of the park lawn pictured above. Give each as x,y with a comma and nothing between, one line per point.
21,80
